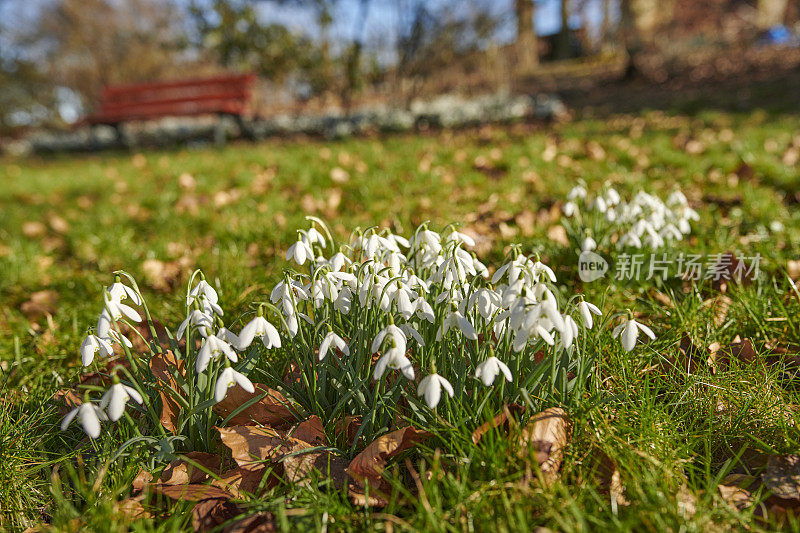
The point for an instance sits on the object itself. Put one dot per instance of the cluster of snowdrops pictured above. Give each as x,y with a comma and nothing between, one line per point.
420,314
644,221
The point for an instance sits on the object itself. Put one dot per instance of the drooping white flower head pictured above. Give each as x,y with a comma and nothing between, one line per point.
332,339
119,291
488,370
586,309
630,333
89,415
230,378
395,359
300,251
91,346
455,319
213,348
259,328
431,388
115,399
202,290
398,338
202,320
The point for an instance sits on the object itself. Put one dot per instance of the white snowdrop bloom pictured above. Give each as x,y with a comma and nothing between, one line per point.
398,240
410,332
115,399
118,338
332,339
486,301
344,279
570,332
321,289
288,294
402,299
630,332
587,309
570,209
369,245
118,292
577,192
458,237
600,204
430,387
513,268
344,301
488,370
315,237
338,262
213,348
202,290
89,415
259,328
424,310
612,197
116,310
196,318
677,198
209,307
228,336
630,239
671,232
93,344
588,244
230,378
540,268
300,252
455,319
396,359
398,338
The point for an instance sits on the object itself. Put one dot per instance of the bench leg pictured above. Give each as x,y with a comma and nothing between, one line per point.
244,127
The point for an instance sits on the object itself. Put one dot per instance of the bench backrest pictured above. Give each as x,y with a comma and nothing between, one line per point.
228,94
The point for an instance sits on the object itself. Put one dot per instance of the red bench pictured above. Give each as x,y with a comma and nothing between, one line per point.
226,95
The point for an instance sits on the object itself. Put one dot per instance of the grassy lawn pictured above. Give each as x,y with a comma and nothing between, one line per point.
67,222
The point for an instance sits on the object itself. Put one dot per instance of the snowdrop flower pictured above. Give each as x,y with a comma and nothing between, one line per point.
456,320
315,237
431,388
396,336
586,309
630,332
228,336
230,378
487,371
119,292
578,191
344,301
202,290
570,332
300,251
423,310
588,244
112,312
338,262
260,328
196,318
89,415
213,348
457,236
116,397
570,209
332,339
93,344
395,359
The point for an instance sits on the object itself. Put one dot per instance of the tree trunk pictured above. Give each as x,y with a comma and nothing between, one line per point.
563,47
526,44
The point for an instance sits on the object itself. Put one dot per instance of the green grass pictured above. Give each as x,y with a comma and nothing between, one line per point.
666,430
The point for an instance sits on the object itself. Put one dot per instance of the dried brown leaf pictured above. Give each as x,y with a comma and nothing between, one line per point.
782,477
192,493
257,523
546,435
505,415
369,464
132,509
271,408
210,513
40,303
310,431
185,471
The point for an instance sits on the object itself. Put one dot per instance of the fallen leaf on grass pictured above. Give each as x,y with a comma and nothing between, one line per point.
132,509
607,477
737,490
500,419
239,481
310,431
162,366
250,445
185,471
213,508
782,477
368,465
546,435
270,409
558,235
257,523
41,303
